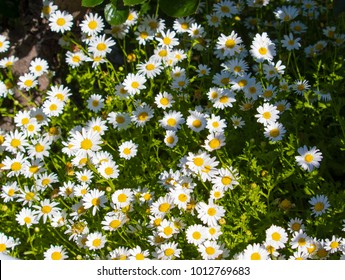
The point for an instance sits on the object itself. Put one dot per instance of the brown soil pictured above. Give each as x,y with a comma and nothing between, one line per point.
30,37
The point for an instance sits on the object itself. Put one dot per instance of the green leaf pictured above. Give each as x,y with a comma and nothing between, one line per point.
115,16
338,6
133,2
91,3
179,8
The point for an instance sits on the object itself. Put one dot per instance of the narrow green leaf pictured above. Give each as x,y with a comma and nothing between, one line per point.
133,2
179,8
91,3
115,16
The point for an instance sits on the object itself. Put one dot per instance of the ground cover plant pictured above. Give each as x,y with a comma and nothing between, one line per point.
215,135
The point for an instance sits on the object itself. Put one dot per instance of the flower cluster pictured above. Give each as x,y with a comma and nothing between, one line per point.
172,140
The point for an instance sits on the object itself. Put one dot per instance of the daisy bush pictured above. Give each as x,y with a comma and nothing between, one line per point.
215,135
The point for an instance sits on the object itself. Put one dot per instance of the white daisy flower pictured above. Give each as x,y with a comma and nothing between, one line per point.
133,83
95,241
209,250
26,217
262,48
55,253
128,149
27,81
38,66
94,199
319,205
309,158
60,21
210,213
92,24
267,114
100,46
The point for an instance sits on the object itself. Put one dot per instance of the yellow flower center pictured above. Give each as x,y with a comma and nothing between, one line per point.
224,99
296,226
196,235
95,103
211,211
214,94
274,132
108,170
164,207
122,198
95,201
135,84
185,25
300,87
150,67
15,143
38,68
321,253
29,196
61,22
97,242
268,93
127,151
86,144
262,50
215,124
319,206
33,169
76,59
164,101
210,250
60,96
115,224
237,69
53,107
143,116
120,119
101,47
308,158
27,220
144,34
255,256
214,143
276,236
169,252
97,128
56,256
10,192
46,209
46,10
266,115
16,166
225,81
302,241
230,43
168,231
171,122
182,197
166,40
198,161
170,139
139,256
2,247
334,244
197,123
92,24
162,53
